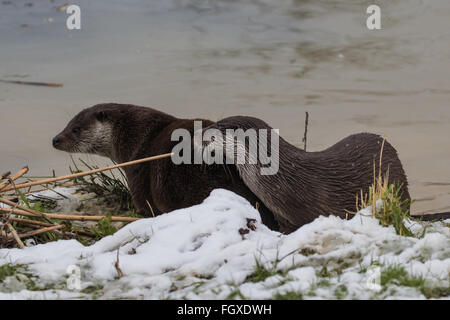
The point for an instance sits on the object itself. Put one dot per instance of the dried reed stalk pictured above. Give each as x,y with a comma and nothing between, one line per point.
31,222
66,216
16,205
85,173
15,235
39,231
19,174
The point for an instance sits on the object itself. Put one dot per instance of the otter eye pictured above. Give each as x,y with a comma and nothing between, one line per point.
76,130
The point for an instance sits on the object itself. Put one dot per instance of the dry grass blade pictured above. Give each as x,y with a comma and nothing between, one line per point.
61,185
116,265
151,209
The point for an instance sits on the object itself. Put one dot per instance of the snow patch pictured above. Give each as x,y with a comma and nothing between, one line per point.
199,252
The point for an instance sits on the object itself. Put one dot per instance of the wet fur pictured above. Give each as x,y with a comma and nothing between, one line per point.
125,132
309,184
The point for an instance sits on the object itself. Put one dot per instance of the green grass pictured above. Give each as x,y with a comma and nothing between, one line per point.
341,292
235,293
38,206
324,273
397,275
394,210
92,289
180,277
103,184
435,292
307,252
323,283
8,270
289,295
104,228
21,273
261,273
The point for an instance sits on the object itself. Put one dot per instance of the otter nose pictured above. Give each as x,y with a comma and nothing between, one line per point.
56,141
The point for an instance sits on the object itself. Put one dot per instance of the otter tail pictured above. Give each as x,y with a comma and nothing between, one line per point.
433,216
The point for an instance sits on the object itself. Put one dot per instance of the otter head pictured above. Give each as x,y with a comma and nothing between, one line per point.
90,131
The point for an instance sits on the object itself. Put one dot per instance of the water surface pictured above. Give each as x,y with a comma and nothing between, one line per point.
212,59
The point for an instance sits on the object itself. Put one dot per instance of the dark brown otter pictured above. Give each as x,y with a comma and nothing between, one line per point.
125,132
309,184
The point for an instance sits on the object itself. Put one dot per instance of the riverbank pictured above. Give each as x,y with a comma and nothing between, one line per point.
222,251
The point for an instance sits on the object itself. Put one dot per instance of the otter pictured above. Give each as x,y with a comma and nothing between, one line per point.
309,184
124,132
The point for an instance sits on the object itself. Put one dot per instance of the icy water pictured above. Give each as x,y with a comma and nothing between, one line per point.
211,59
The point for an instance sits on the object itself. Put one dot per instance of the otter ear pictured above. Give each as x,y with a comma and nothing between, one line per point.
101,115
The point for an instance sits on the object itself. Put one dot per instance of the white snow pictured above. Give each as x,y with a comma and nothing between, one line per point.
55,193
198,252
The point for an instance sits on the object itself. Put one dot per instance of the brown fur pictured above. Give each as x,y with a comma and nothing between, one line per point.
125,132
309,184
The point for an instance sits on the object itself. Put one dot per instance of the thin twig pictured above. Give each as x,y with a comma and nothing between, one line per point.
305,135
85,173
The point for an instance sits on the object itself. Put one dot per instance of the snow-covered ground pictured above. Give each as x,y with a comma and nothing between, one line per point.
219,249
